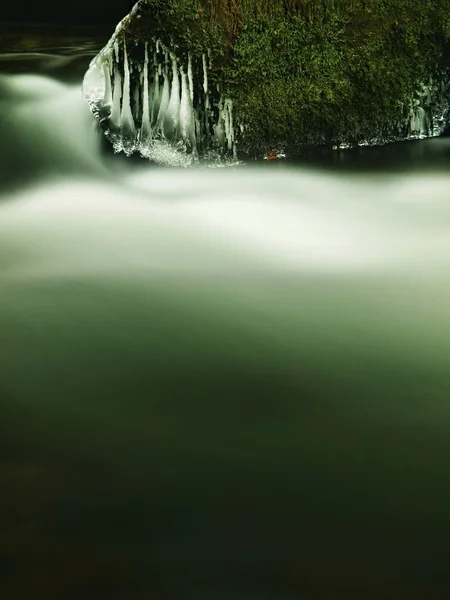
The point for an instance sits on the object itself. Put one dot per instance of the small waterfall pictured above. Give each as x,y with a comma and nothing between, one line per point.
143,102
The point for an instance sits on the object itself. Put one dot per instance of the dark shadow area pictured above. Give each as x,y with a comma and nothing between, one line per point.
73,12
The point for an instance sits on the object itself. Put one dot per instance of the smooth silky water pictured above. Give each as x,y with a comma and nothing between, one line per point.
217,383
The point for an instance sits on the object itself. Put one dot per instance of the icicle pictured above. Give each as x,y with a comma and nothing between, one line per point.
107,95
186,112
207,106
205,74
218,128
146,129
164,101
155,99
191,79
229,129
155,91
422,118
128,130
116,99
414,123
173,109
197,129
137,100
110,63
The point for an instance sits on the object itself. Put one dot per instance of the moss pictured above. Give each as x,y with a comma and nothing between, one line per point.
309,71
345,74
182,25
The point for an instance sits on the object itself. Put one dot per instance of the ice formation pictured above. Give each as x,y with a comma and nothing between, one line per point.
430,109
146,97
428,115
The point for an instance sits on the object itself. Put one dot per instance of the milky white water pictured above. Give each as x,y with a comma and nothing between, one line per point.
259,354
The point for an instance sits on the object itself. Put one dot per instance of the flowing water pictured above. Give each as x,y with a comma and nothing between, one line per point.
217,383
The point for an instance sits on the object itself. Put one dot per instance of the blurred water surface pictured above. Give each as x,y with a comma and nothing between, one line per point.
216,383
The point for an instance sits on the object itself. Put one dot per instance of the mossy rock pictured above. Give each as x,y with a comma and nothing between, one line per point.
304,72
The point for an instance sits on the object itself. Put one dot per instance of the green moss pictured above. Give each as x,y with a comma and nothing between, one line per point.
342,75
181,25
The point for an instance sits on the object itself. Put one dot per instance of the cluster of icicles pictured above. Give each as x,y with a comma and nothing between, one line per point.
147,101
430,110
427,116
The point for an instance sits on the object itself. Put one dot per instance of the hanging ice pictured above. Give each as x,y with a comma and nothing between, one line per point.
127,128
418,124
427,115
145,137
144,95
430,109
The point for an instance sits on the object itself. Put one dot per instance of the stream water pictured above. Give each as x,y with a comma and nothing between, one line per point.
217,383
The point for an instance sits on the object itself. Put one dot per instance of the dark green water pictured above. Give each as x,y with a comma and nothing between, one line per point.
227,384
